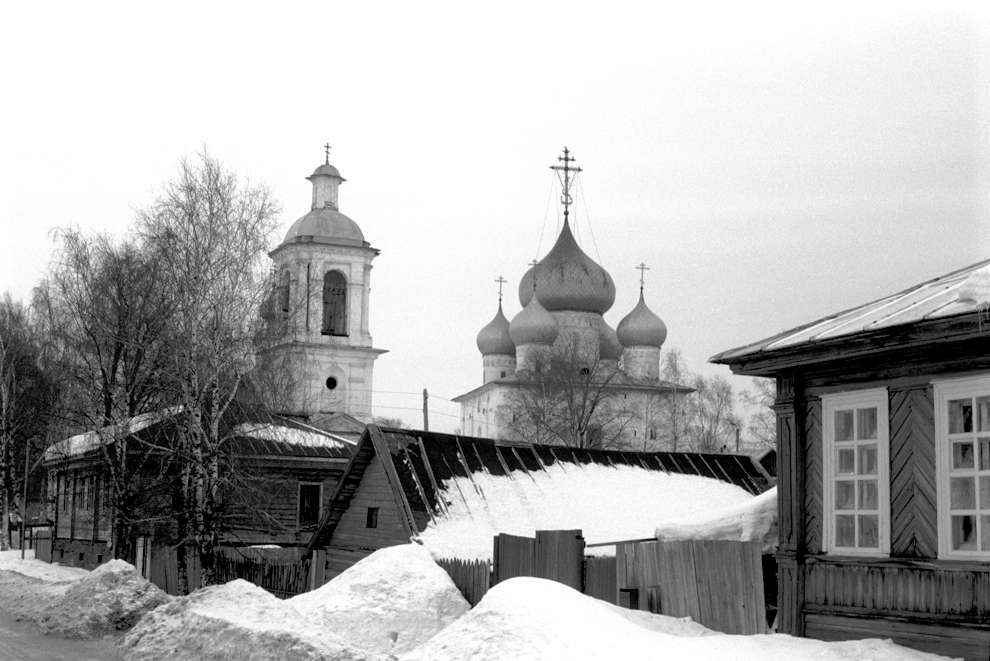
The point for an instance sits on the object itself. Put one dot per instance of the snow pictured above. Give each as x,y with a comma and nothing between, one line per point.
48,572
291,435
111,598
90,440
237,620
607,503
976,287
536,619
753,520
391,601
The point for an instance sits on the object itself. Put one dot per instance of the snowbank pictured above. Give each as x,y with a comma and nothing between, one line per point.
532,618
111,598
608,503
237,620
45,571
753,520
391,601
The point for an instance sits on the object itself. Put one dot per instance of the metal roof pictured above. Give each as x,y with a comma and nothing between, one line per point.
933,299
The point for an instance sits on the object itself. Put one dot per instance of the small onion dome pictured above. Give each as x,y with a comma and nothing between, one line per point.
609,347
494,338
641,327
533,325
567,279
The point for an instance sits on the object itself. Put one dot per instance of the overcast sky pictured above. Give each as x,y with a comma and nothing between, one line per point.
770,164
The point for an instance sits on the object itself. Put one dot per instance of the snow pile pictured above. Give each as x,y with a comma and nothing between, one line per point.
608,503
391,601
750,521
237,620
291,435
111,598
532,618
976,287
29,566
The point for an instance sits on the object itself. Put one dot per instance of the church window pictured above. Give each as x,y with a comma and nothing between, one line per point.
653,434
503,374
334,304
283,295
331,383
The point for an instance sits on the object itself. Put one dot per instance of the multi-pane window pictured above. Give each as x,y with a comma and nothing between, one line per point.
962,425
856,472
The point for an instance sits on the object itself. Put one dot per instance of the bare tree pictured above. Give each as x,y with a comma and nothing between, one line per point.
762,424
565,401
712,421
25,397
211,233
674,412
102,315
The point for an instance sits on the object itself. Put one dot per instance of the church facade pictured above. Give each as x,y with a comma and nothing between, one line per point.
318,356
558,372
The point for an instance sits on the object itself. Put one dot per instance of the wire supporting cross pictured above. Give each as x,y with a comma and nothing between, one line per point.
642,268
501,281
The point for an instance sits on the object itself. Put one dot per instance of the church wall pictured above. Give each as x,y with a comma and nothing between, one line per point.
580,330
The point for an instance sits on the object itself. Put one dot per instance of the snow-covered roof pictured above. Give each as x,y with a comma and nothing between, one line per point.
608,503
750,520
960,292
80,444
305,437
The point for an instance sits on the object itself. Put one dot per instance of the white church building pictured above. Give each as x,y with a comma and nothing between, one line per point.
319,351
564,298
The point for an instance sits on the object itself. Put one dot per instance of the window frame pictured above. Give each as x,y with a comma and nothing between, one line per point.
856,399
945,390
299,503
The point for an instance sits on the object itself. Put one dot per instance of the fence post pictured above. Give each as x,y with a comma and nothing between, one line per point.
317,569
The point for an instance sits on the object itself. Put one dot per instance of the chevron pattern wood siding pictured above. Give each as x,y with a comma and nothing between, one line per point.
913,523
813,478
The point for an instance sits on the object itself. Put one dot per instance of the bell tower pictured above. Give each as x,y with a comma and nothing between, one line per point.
319,357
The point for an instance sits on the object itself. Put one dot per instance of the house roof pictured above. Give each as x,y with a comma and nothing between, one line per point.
420,466
619,381
274,437
943,297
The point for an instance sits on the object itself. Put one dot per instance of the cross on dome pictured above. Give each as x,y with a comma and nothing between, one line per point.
564,175
326,152
642,268
501,281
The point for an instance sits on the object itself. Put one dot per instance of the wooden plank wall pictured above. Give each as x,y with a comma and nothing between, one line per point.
374,491
717,583
944,639
472,577
813,503
913,510
559,556
600,578
513,556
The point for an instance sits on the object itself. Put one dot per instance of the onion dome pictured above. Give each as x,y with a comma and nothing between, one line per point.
327,170
533,325
567,279
494,338
641,327
609,347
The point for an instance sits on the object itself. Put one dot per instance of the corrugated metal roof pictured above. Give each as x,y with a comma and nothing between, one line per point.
932,299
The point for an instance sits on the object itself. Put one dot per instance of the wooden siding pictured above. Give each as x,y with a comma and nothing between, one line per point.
913,509
374,491
972,644
814,518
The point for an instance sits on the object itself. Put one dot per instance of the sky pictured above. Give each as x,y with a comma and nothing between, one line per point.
770,163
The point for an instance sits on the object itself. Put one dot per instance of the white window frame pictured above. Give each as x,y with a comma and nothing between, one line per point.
944,391
875,397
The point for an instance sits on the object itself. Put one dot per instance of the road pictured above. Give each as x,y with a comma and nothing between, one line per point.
20,641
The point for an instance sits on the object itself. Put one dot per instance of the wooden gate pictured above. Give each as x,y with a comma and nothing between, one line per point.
554,554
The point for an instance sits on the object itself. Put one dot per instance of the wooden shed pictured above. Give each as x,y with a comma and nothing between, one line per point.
393,487
883,437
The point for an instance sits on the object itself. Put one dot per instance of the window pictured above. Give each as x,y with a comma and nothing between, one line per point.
371,518
283,294
856,489
334,304
962,466
310,496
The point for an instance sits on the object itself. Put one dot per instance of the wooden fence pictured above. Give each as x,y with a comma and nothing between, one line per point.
472,577
283,572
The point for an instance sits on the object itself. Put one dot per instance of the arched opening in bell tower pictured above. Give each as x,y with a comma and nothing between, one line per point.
334,304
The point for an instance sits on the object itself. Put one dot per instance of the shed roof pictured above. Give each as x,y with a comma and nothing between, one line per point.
421,465
939,298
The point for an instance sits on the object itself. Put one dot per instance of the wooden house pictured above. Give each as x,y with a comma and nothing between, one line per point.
278,478
399,481
883,436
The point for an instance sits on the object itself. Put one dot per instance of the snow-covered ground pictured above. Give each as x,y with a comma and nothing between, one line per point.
45,571
397,604
607,503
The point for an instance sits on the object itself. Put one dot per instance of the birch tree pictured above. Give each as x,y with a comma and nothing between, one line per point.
211,232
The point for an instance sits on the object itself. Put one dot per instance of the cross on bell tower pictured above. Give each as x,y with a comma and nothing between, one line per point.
326,152
564,175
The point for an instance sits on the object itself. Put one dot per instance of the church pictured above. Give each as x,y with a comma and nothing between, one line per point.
558,372
317,357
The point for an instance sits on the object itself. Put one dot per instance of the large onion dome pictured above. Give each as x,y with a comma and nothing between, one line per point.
641,327
494,338
567,279
609,347
533,325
